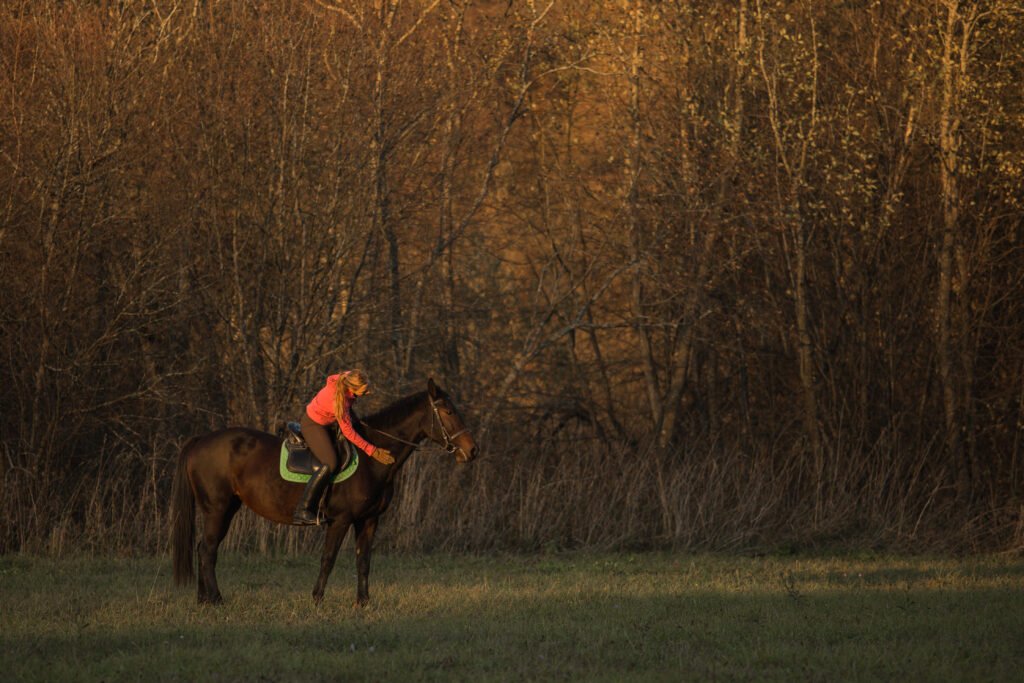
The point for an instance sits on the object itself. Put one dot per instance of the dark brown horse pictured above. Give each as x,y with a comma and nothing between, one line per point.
233,467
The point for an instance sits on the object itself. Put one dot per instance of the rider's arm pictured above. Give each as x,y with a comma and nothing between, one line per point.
352,435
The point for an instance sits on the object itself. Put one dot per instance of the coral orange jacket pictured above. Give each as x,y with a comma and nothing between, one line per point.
321,411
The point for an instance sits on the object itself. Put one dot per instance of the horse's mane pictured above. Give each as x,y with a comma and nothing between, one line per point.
394,413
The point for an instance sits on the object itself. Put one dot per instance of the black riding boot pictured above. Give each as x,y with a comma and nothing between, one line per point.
309,505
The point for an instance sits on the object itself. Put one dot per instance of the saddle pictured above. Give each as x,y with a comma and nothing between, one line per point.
300,459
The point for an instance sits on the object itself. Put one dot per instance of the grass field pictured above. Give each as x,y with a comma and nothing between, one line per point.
592,617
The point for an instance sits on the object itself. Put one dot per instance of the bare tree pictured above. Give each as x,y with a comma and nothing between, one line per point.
794,136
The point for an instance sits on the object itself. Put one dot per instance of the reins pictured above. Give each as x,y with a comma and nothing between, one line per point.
390,436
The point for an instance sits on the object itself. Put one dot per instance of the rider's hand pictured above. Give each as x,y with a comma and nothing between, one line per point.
383,455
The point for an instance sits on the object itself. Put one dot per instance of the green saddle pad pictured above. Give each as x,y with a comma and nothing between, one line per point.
288,475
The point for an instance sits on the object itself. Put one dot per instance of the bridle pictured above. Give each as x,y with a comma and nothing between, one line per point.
449,439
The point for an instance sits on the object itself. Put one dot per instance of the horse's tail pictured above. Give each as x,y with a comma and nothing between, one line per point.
183,521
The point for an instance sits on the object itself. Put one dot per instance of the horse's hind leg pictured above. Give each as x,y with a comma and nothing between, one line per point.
335,535
216,521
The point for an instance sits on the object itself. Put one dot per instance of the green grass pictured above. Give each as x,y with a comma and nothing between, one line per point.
586,617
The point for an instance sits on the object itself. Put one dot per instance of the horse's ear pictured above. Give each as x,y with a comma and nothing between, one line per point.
431,388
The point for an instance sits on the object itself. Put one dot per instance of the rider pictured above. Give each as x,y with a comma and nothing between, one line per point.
331,403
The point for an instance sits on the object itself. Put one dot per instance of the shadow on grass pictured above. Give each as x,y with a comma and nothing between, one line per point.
861,577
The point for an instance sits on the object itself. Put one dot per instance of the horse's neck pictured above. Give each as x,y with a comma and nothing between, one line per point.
408,430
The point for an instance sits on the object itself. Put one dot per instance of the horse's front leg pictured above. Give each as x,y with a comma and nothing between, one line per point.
365,531
335,535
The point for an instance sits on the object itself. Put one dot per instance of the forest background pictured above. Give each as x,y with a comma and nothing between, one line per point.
699,274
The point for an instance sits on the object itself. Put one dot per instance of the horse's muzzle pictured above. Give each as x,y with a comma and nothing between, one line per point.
463,456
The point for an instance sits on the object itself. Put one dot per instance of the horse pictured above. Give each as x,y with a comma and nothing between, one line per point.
226,469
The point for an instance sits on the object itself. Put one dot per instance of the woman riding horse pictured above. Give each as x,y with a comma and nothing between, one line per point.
223,470
332,403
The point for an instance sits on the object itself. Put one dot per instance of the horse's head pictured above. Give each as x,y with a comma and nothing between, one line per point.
446,425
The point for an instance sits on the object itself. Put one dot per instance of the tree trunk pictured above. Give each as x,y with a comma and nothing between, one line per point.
632,168
946,335
804,344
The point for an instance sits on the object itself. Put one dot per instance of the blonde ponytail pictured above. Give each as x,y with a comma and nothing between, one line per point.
353,380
